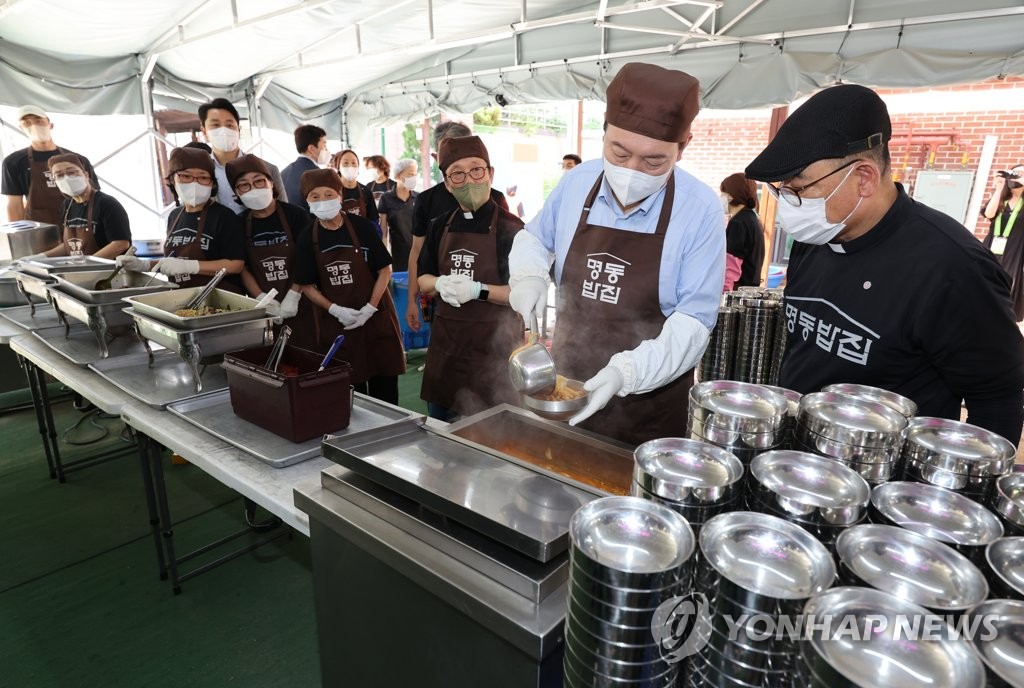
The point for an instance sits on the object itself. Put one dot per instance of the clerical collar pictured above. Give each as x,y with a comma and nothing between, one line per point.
467,214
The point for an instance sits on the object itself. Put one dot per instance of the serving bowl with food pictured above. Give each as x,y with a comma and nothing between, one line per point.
566,400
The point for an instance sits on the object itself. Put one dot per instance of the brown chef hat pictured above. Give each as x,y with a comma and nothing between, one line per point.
244,164
188,158
459,147
315,178
653,101
66,157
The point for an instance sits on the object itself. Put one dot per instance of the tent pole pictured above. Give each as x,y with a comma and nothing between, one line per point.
146,82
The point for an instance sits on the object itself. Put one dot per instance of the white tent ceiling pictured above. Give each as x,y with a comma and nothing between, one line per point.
378,62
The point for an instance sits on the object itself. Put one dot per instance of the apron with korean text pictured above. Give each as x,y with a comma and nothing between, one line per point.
609,302
44,198
467,361
356,206
192,250
81,241
344,278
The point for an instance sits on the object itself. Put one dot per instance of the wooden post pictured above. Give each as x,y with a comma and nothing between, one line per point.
766,209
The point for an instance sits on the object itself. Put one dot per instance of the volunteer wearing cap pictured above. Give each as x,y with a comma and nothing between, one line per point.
271,228
94,223
311,143
202,235
464,261
345,271
744,235
1006,245
396,208
219,123
31,192
639,257
882,290
356,198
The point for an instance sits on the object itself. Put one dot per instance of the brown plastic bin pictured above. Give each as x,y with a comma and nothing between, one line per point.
296,407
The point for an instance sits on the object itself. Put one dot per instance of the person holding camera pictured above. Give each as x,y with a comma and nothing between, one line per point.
1007,245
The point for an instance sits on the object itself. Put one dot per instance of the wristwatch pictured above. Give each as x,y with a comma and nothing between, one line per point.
484,293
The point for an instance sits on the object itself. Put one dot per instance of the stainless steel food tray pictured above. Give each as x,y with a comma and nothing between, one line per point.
81,285
519,507
32,287
78,344
161,307
166,380
32,318
45,267
214,414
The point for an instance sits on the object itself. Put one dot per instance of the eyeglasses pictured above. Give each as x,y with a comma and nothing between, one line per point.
246,187
186,178
791,194
69,173
476,174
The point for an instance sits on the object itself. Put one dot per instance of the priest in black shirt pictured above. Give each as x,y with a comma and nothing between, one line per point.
882,290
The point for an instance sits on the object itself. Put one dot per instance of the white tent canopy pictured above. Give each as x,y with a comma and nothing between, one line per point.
340,62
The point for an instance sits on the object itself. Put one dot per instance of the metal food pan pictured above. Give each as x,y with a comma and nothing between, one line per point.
31,284
208,341
45,267
89,313
162,305
82,284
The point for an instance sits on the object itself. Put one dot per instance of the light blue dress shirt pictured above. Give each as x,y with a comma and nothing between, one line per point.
693,259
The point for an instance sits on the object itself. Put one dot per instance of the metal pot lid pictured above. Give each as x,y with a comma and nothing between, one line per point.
912,567
766,555
850,412
632,535
897,402
1005,557
1002,654
886,659
678,462
739,399
952,438
810,479
937,513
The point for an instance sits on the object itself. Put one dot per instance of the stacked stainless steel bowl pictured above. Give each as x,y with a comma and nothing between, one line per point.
816,493
627,557
1007,501
938,513
755,340
911,566
696,479
745,419
717,362
753,569
830,658
1003,653
1005,561
866,436
793,397
957,456
897,402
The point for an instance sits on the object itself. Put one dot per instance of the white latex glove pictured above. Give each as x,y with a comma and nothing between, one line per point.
528,296
365,313
133,264
602,387
177,266
290,304
456,290
346,316
273,306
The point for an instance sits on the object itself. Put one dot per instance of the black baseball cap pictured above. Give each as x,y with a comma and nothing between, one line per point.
839,121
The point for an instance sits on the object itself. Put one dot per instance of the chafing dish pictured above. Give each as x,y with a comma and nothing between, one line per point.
194,345
10,293
82,284
161,307
47,267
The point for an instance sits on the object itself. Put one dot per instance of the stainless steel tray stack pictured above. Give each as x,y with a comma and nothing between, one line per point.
755,340
717,361
750,350
742,418
35,275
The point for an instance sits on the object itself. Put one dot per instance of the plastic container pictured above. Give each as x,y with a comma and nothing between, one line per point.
776,274
411,340
298,406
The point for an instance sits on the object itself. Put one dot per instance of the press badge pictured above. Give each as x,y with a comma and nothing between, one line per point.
998,245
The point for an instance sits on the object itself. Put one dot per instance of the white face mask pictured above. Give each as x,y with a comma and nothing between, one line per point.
223,139
808,222
39,133
350,173
631,186
257,199
193,193
323,158
325,210
72,186
411,183
724,199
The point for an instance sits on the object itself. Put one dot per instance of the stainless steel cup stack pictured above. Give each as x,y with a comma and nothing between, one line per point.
1007,501
885,658
816,493
755,340
628,556
754,569
866,436
742,418
959,457
1002,653
717,362
695,479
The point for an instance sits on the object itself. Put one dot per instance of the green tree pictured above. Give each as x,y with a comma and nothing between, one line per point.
412,144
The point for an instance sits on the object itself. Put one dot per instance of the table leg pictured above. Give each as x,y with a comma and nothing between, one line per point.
37,404
51,426
147,446
166,527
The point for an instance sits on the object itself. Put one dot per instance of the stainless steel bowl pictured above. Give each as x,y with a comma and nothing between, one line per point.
897,402
792,397
1005,559
728,438
912,567
815,488
558,410
737,406
1008,498
766,555
844,451
957,447
936,513
958,482
851,420
1002,654
687,471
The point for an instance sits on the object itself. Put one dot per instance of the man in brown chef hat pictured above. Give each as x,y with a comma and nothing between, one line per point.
639,257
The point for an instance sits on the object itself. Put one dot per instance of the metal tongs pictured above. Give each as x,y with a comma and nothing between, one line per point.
199,298
108,282
278,351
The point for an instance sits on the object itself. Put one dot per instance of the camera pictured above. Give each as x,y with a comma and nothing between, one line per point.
1008,174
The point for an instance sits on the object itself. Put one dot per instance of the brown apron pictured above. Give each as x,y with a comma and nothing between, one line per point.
44,198
192,250
609,302
467,362
356,206
81,241
271,267
375,349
